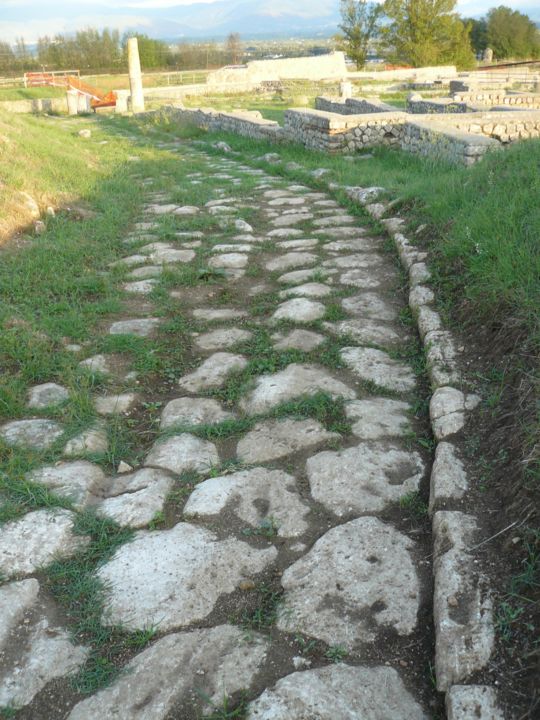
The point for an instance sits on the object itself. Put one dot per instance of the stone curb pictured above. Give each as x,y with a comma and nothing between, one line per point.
462,602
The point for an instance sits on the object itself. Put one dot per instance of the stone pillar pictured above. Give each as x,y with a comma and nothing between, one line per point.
135,76
83,103
488,55
122,97
72,102
345,89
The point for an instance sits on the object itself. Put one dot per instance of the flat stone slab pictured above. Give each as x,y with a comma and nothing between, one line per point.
147,271
304,340
183,452
378,367
357,580
291,260
284,233
193,411
362,244
255,496
37,433
91,440
98,364
338,692
30,542
194,669
287,200
223,338
142,327
134,499
358,260
365,478
32,653
272,439
42,396
229,260
213,372
300,276
366,331
140,287
334,220
172,578
370,305
473,702
212,314
305,244
362,278
116,404
287,219
375,418
313,289
293,382
79,481
299,310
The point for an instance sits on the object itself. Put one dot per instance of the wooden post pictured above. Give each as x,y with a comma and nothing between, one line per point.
135,76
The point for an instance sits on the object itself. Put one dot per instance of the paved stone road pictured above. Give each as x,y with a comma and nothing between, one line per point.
306,511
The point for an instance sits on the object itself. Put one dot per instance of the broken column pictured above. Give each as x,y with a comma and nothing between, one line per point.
72,102
135,76
345,89
122,97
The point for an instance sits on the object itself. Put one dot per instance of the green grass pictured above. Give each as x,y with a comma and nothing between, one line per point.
34,93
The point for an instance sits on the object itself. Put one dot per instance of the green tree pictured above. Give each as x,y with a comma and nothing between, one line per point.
478,34
360,25
510,34
426,32
153,53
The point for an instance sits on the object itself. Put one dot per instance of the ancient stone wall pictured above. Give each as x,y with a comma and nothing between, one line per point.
491,97
352,106
307,68
56,105
436,105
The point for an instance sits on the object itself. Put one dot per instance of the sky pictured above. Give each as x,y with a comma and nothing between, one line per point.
32,18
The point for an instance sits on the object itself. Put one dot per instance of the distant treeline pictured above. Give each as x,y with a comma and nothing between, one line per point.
94,51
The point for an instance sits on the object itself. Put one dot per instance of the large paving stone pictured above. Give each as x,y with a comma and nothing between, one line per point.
91,440
287,201
32,652
291,260
378,367
213,372
36,539
79,481
180,669
285,233
142,327
175,577
306,244
42,396
183,452
213,314
299,310
366,331
254,496
304,340
375,418
334,220
229,260
145,272
370,305
357,579
293,382
338,692
312,289
365,478
287,219
140,287
98,364
116,404
223,338
135,498
365,244
37,433
272,439
358,260
193,411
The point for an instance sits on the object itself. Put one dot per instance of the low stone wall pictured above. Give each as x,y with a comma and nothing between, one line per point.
319,67
352,106
436,106
424,74
503,126
513,100
422,138
177,92
55,105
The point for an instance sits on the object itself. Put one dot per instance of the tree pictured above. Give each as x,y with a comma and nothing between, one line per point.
426,32
510,34
478,34
359,24
233,48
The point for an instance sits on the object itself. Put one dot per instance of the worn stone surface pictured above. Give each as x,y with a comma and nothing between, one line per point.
212,314
447,409
366,331
175,577
134,499
140,287
472,702
448,477
92,440
365,478
116,404
222,338
213,372
293,218
338,692
184,669
34,540
79,480
291,260
307,290
229,260
370,305
462,602
193,411
300,276
299,310
305,340
36,433
32,652
375,418
183,452
98,364
142,327
145,272
378,367
254,496
296,380
356,580
42,396
272,439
